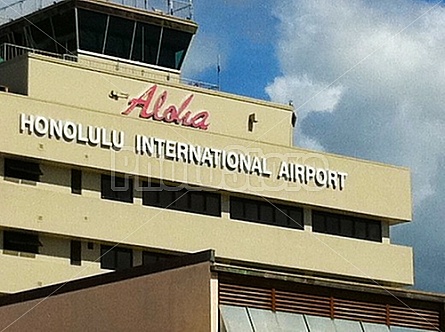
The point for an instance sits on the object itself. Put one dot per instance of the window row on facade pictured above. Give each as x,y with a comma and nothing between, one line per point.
180,197
111,257
342,225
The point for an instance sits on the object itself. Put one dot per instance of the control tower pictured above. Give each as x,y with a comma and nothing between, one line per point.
103,29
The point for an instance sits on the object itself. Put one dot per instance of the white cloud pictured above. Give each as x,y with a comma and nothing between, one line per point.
202,55
379,71
314,96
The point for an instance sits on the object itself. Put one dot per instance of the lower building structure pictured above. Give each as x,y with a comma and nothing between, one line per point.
196,292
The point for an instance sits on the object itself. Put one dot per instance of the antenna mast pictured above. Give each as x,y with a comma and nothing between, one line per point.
175,6
218,71
170,7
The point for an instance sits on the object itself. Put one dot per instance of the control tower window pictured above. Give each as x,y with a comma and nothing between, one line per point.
54,34
64,29
92,31
42,36
173,47
146,41
148,38
133,40
119,35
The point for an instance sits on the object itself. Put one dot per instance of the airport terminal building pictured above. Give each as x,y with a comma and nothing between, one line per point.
142,201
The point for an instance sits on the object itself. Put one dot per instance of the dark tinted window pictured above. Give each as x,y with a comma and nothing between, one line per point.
280,217
5,39
65,28
92,28
318,223
119,37
347,226
295,215
266,213
360,229
176,197
21,169
115,258
117,188
19,38
127,39
332,225
251,210
53,34
146,43
236,208
18,241
149,258
173,48
374,231
76,181
42,36
76,252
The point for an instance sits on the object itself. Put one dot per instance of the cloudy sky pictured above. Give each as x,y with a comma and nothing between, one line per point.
366,78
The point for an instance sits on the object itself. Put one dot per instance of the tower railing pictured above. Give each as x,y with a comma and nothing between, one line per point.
10,51
179,8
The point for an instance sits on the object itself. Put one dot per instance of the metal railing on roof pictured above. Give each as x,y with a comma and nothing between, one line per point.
200,84
178,8
10,51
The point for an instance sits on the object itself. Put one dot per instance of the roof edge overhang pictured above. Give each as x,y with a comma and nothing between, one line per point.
132,13
107,278
326,282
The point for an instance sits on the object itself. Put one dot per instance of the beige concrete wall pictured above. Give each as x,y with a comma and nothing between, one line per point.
177,300
22,271
99,62
87,85
51,265
371,188
58,213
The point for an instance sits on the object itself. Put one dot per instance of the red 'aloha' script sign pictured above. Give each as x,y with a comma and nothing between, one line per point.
170,114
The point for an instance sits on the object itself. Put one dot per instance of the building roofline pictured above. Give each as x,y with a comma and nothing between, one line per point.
226,271
110,8
326,282
107,278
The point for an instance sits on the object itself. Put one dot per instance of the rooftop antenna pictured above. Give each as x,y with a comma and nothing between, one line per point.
175,6
191,9
294,116
170,7
218,71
